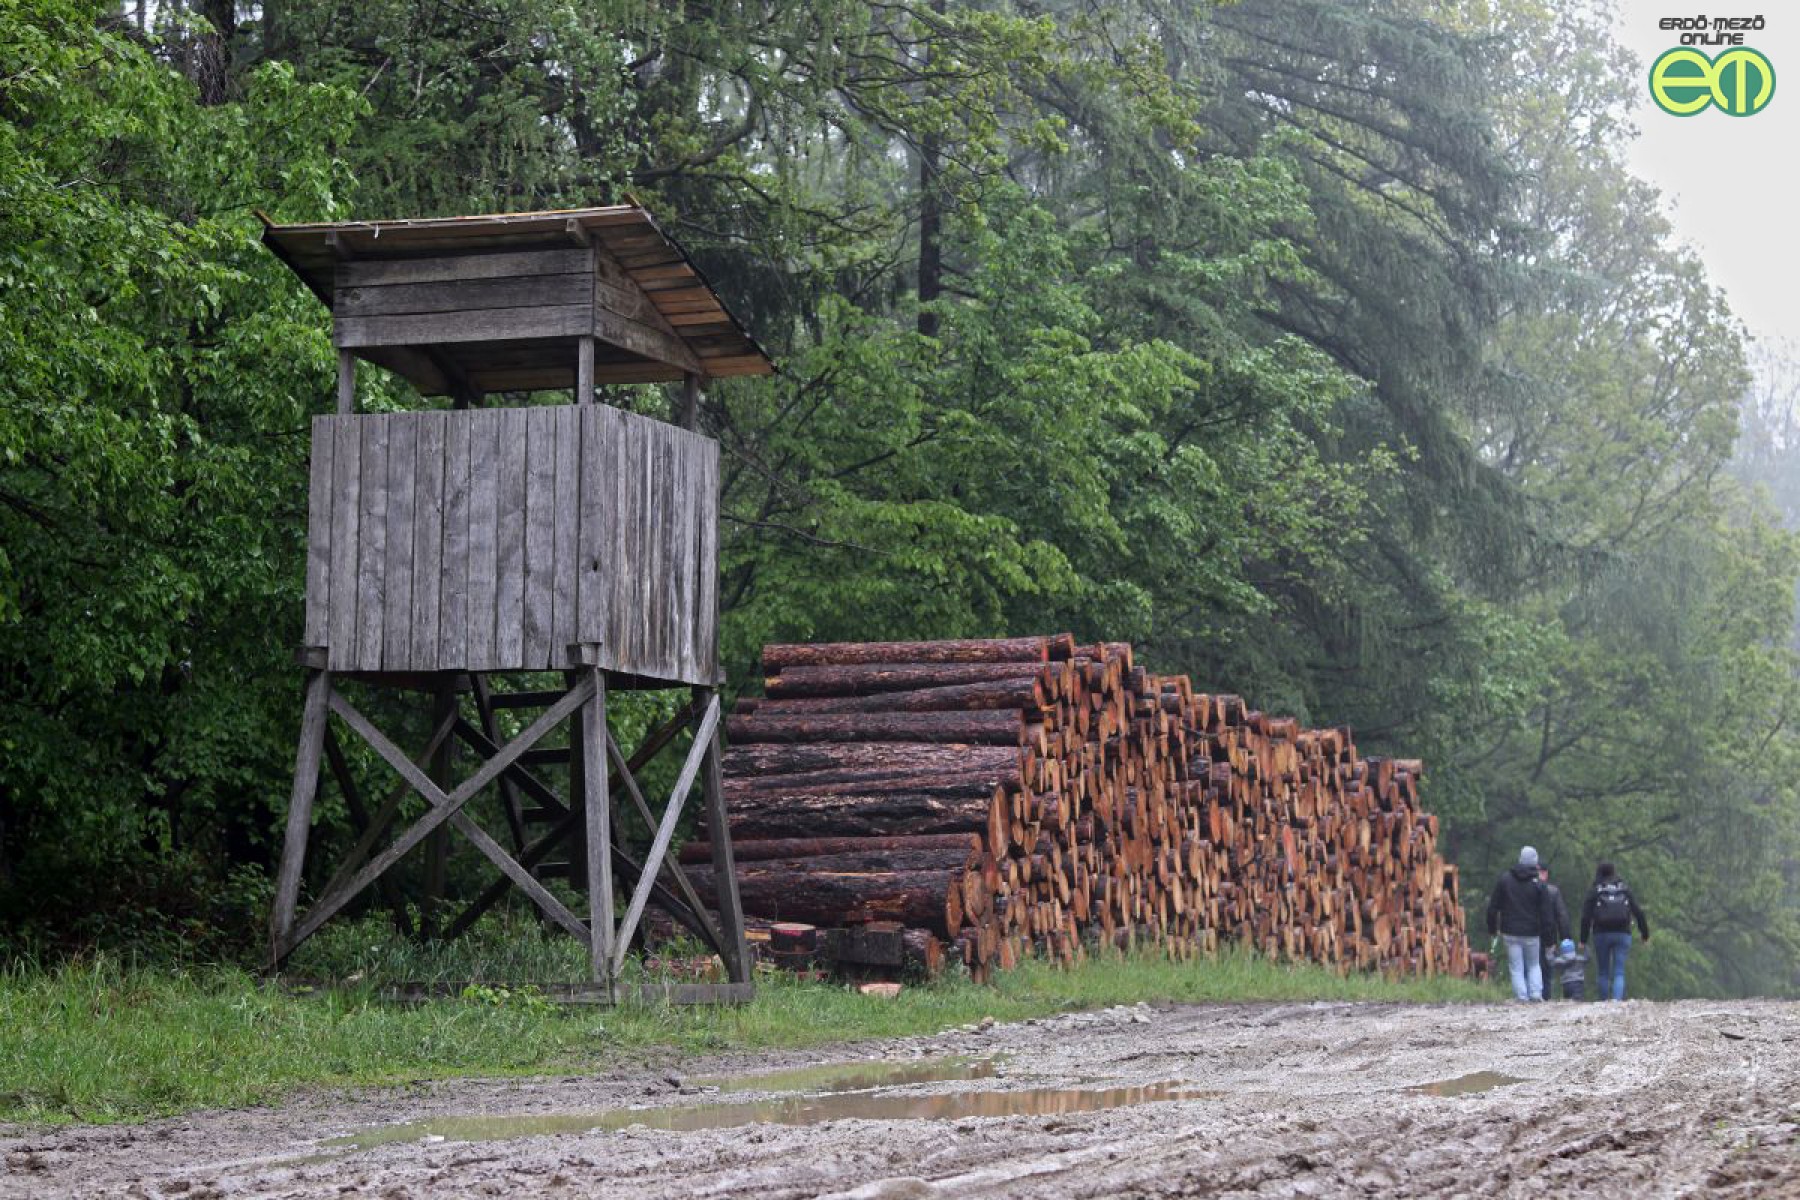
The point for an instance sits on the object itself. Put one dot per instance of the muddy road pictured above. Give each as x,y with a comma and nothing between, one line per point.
1625,1100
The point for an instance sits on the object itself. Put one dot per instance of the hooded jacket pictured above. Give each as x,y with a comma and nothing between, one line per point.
1519,906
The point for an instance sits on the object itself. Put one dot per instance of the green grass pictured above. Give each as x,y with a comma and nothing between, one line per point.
99,1041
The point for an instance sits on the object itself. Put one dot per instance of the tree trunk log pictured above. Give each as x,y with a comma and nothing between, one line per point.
1026,649
746,850
986,728
864,758
866,680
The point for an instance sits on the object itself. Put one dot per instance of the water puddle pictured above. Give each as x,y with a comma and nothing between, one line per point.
858,1076
792,1110
1465,1085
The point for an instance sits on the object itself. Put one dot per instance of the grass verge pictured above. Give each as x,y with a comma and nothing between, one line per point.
100,1041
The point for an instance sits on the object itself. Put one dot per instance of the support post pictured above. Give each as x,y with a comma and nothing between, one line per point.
300,806
346,396
597,810
437,847
718,832
690,401
584,370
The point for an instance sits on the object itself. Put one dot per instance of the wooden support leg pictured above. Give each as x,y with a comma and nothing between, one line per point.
718,832
597,807
437,846
300,806
490,726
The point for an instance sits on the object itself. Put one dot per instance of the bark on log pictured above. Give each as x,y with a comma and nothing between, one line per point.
799,890
985,728
1026,693
853,815
862,758
755,850
867,680
1026,649
865,783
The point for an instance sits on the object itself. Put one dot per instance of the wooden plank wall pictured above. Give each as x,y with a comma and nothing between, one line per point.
489,540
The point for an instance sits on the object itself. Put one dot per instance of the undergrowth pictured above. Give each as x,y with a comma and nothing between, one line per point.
98,1039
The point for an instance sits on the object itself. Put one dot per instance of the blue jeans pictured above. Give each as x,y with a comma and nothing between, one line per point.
1610,951
1527,968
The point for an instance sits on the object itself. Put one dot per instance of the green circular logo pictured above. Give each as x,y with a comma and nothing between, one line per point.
1741,81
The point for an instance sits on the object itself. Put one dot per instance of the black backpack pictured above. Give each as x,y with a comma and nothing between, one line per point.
1612,905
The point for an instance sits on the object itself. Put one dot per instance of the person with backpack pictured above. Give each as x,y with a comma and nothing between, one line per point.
1607,915
1519,911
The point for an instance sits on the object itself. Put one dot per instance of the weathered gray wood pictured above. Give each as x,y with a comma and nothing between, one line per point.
384,816
651,746
567,521
450,810
346,516
428,543
444,708
642,339
300,805
597,809
665,832
346,383
595,532
584,370
377,273
457,295
509,570
443,807
718,832
540,565
359,813
690,401
318,537
509,795
484,325
402,488
703,925
530,530
371,572
453,589
484,481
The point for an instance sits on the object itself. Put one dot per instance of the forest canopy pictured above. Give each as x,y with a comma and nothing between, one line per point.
1328,352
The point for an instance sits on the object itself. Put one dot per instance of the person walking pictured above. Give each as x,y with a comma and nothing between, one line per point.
1563,930
1607,914
1519,911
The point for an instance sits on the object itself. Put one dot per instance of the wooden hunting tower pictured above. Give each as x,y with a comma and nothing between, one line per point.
450,551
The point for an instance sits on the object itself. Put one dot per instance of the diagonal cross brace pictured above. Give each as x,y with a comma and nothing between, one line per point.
444,808
665,833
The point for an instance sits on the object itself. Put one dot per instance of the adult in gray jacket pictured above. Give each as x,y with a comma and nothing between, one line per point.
1519,911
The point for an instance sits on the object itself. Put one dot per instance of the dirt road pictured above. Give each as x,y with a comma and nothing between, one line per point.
1625,1100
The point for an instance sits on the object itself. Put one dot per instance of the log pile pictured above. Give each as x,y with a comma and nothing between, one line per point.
1030,795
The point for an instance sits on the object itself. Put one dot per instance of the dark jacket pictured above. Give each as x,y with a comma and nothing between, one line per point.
1590,920
1520,907
1561,912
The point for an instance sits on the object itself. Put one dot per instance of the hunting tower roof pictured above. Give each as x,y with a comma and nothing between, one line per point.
498,302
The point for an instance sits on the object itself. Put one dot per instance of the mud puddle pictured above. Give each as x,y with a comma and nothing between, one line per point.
1468,1085
858,1076
793,1110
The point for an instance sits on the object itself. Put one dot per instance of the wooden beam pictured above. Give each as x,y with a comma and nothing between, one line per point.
300,805
584,370
448,808
359,812
718,832
665,832
690,401
597,807
490,727
346,386
689,894
390,808
442,810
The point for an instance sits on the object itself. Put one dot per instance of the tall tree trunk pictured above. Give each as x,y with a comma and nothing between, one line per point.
931,219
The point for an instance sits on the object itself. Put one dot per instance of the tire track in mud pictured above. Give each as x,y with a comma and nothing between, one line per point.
1625,1100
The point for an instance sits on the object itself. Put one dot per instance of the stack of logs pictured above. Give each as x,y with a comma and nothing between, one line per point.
1028,795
